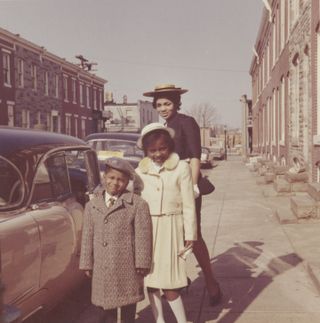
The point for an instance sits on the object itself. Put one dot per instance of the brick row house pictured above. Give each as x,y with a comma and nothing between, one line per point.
41,90
285,85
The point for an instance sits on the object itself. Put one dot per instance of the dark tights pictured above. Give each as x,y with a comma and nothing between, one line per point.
201,253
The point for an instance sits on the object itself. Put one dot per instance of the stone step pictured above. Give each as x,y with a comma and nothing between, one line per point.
262,171
281,185
279,170
296,177
284,215
269,177
314,190
299,187
304,207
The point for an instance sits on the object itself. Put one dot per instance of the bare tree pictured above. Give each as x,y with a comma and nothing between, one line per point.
204,113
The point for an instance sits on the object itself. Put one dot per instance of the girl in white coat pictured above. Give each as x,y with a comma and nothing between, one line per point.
168,189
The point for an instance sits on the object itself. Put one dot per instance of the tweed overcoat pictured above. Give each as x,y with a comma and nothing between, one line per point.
169,193
116,241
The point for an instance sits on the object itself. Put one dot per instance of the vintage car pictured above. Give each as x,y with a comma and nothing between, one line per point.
206,160
45,179
116,144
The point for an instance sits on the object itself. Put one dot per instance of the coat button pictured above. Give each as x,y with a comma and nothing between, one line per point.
158,189
105,244
106,221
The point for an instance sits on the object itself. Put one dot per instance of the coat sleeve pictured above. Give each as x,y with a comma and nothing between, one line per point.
191,131
86,255
188,203
143,235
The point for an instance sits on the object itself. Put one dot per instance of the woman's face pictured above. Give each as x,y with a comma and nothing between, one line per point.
158,151
165,108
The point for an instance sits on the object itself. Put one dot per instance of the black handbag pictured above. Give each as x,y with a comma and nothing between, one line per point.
205,186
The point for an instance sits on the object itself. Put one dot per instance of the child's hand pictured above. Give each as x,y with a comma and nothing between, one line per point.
88,273
142,271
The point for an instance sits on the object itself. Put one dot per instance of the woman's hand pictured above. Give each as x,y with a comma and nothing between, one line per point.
188,244
142,271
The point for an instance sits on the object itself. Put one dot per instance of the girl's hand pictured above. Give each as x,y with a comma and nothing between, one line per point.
142,271
88,273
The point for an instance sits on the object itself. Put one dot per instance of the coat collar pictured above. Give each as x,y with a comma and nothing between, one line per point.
126,196
171,163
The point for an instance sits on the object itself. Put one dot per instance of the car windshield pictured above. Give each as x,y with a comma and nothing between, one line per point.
116,147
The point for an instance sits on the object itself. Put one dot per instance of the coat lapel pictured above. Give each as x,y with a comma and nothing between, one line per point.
100,204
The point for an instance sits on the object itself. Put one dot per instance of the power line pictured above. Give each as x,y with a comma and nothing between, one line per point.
199,68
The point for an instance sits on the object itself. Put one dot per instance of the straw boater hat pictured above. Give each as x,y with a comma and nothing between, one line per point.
165,88
152,127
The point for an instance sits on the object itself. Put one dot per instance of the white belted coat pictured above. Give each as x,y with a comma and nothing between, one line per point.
169,193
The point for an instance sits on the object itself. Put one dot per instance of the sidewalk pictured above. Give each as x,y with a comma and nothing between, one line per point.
267,271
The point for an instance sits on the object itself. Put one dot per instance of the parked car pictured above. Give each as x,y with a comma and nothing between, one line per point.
206,158
217,152
116,144
44,180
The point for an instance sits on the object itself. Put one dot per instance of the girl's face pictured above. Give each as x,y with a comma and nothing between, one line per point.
158,151
115,182
165,108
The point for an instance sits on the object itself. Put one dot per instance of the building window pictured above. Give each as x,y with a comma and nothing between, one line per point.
282,110
295,92
74,91
282,23
25,118
294,12
88,97
68,124
55,121
274,106
95,99
83,128
56,85
65,88
48,117
318,82
20,72
81,94
46,83
76,126
100,100
10,115
34,76
6,68
274,42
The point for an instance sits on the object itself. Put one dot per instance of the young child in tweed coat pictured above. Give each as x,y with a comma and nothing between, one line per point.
116,244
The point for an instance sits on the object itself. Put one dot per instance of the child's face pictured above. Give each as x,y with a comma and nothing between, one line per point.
115,182
158,151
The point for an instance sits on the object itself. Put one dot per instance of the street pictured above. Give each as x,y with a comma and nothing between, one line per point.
262,276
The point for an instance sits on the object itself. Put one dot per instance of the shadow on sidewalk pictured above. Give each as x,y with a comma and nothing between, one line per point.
243,271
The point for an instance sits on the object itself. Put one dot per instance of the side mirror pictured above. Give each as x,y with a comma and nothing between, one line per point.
93,171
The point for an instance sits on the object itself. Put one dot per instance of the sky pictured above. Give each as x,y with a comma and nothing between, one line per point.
205,46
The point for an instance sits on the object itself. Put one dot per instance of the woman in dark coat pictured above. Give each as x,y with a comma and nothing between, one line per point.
116,244
167,101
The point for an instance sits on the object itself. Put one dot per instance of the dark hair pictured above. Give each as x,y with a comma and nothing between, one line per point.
154,135
174,97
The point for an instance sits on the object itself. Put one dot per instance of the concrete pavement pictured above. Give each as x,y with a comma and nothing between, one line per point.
268,271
